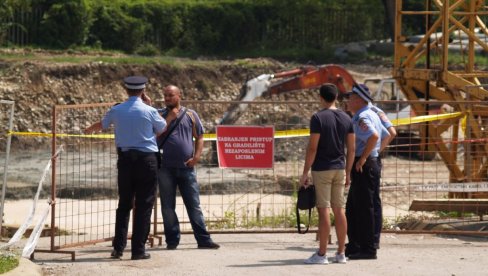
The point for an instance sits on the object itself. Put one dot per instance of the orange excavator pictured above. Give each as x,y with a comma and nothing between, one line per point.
307,77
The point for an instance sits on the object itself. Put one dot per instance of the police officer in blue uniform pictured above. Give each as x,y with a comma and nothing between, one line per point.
136,126
365,176
378,210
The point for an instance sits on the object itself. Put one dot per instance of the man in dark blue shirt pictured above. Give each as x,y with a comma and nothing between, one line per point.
180,155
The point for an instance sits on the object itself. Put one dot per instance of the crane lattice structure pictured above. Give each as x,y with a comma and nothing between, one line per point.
426,74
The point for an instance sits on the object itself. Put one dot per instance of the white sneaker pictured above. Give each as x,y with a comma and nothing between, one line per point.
317,259
340,258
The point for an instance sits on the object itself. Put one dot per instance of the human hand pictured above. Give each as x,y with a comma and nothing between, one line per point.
94,127
359,164
88,130
191,162
146,99
172,114
304,180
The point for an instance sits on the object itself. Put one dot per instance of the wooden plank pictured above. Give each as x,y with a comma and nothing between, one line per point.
479,206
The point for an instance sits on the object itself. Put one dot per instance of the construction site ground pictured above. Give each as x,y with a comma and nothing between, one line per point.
272,254
36,86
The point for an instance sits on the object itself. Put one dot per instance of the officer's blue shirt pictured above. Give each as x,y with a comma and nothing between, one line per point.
383,118
366,123
135,125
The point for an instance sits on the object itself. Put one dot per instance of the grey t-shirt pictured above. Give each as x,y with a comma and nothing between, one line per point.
178,148
333,125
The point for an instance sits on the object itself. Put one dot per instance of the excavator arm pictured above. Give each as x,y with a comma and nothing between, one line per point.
306,77
312,77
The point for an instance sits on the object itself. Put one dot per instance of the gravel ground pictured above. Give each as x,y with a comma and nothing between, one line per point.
279,254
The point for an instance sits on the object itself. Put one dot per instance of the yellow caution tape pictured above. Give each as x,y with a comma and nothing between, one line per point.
41,134
278,133
425,118
464,122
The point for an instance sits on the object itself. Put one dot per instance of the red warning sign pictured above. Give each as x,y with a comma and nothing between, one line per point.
245,147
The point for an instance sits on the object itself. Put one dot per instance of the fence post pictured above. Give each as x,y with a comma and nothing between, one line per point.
7,155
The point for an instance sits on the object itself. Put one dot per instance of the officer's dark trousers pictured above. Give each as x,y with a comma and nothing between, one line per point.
137,180
360,207
378,209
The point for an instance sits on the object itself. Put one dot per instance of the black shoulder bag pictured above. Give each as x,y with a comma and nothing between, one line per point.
305,201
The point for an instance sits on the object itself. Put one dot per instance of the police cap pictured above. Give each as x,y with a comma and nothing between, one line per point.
135,82
361,92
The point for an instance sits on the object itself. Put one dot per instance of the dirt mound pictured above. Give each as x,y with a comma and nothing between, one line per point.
37,86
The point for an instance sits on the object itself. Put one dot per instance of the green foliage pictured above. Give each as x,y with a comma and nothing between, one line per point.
6,12
113,28
228,222
412,25
65,23
303,55
165,23
284,29
8,261
147,49
7,8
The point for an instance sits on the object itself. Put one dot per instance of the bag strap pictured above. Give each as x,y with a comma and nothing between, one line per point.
298,221
177,121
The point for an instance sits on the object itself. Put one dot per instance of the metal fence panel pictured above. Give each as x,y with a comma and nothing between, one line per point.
263,200
84,182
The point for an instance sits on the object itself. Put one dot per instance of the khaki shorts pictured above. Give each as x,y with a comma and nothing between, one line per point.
329,188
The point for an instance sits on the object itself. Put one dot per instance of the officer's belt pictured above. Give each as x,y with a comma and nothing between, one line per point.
133,153
370,158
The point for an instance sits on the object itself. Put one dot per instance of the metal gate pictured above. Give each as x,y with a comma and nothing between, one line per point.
245,200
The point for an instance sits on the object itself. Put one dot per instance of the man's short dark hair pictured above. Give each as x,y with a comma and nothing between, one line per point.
134,92
328,92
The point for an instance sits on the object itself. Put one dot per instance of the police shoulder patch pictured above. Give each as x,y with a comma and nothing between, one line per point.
362,125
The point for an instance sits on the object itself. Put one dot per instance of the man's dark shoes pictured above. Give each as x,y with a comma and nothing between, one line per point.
209,245
171,246
143,256
351,251
116,254
362,256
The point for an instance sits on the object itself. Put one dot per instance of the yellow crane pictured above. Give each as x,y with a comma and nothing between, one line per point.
426,74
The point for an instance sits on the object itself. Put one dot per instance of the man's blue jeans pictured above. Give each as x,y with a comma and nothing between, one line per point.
185,180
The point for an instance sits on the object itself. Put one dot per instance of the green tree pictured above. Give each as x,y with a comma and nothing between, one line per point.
65,23
115,29
7,8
